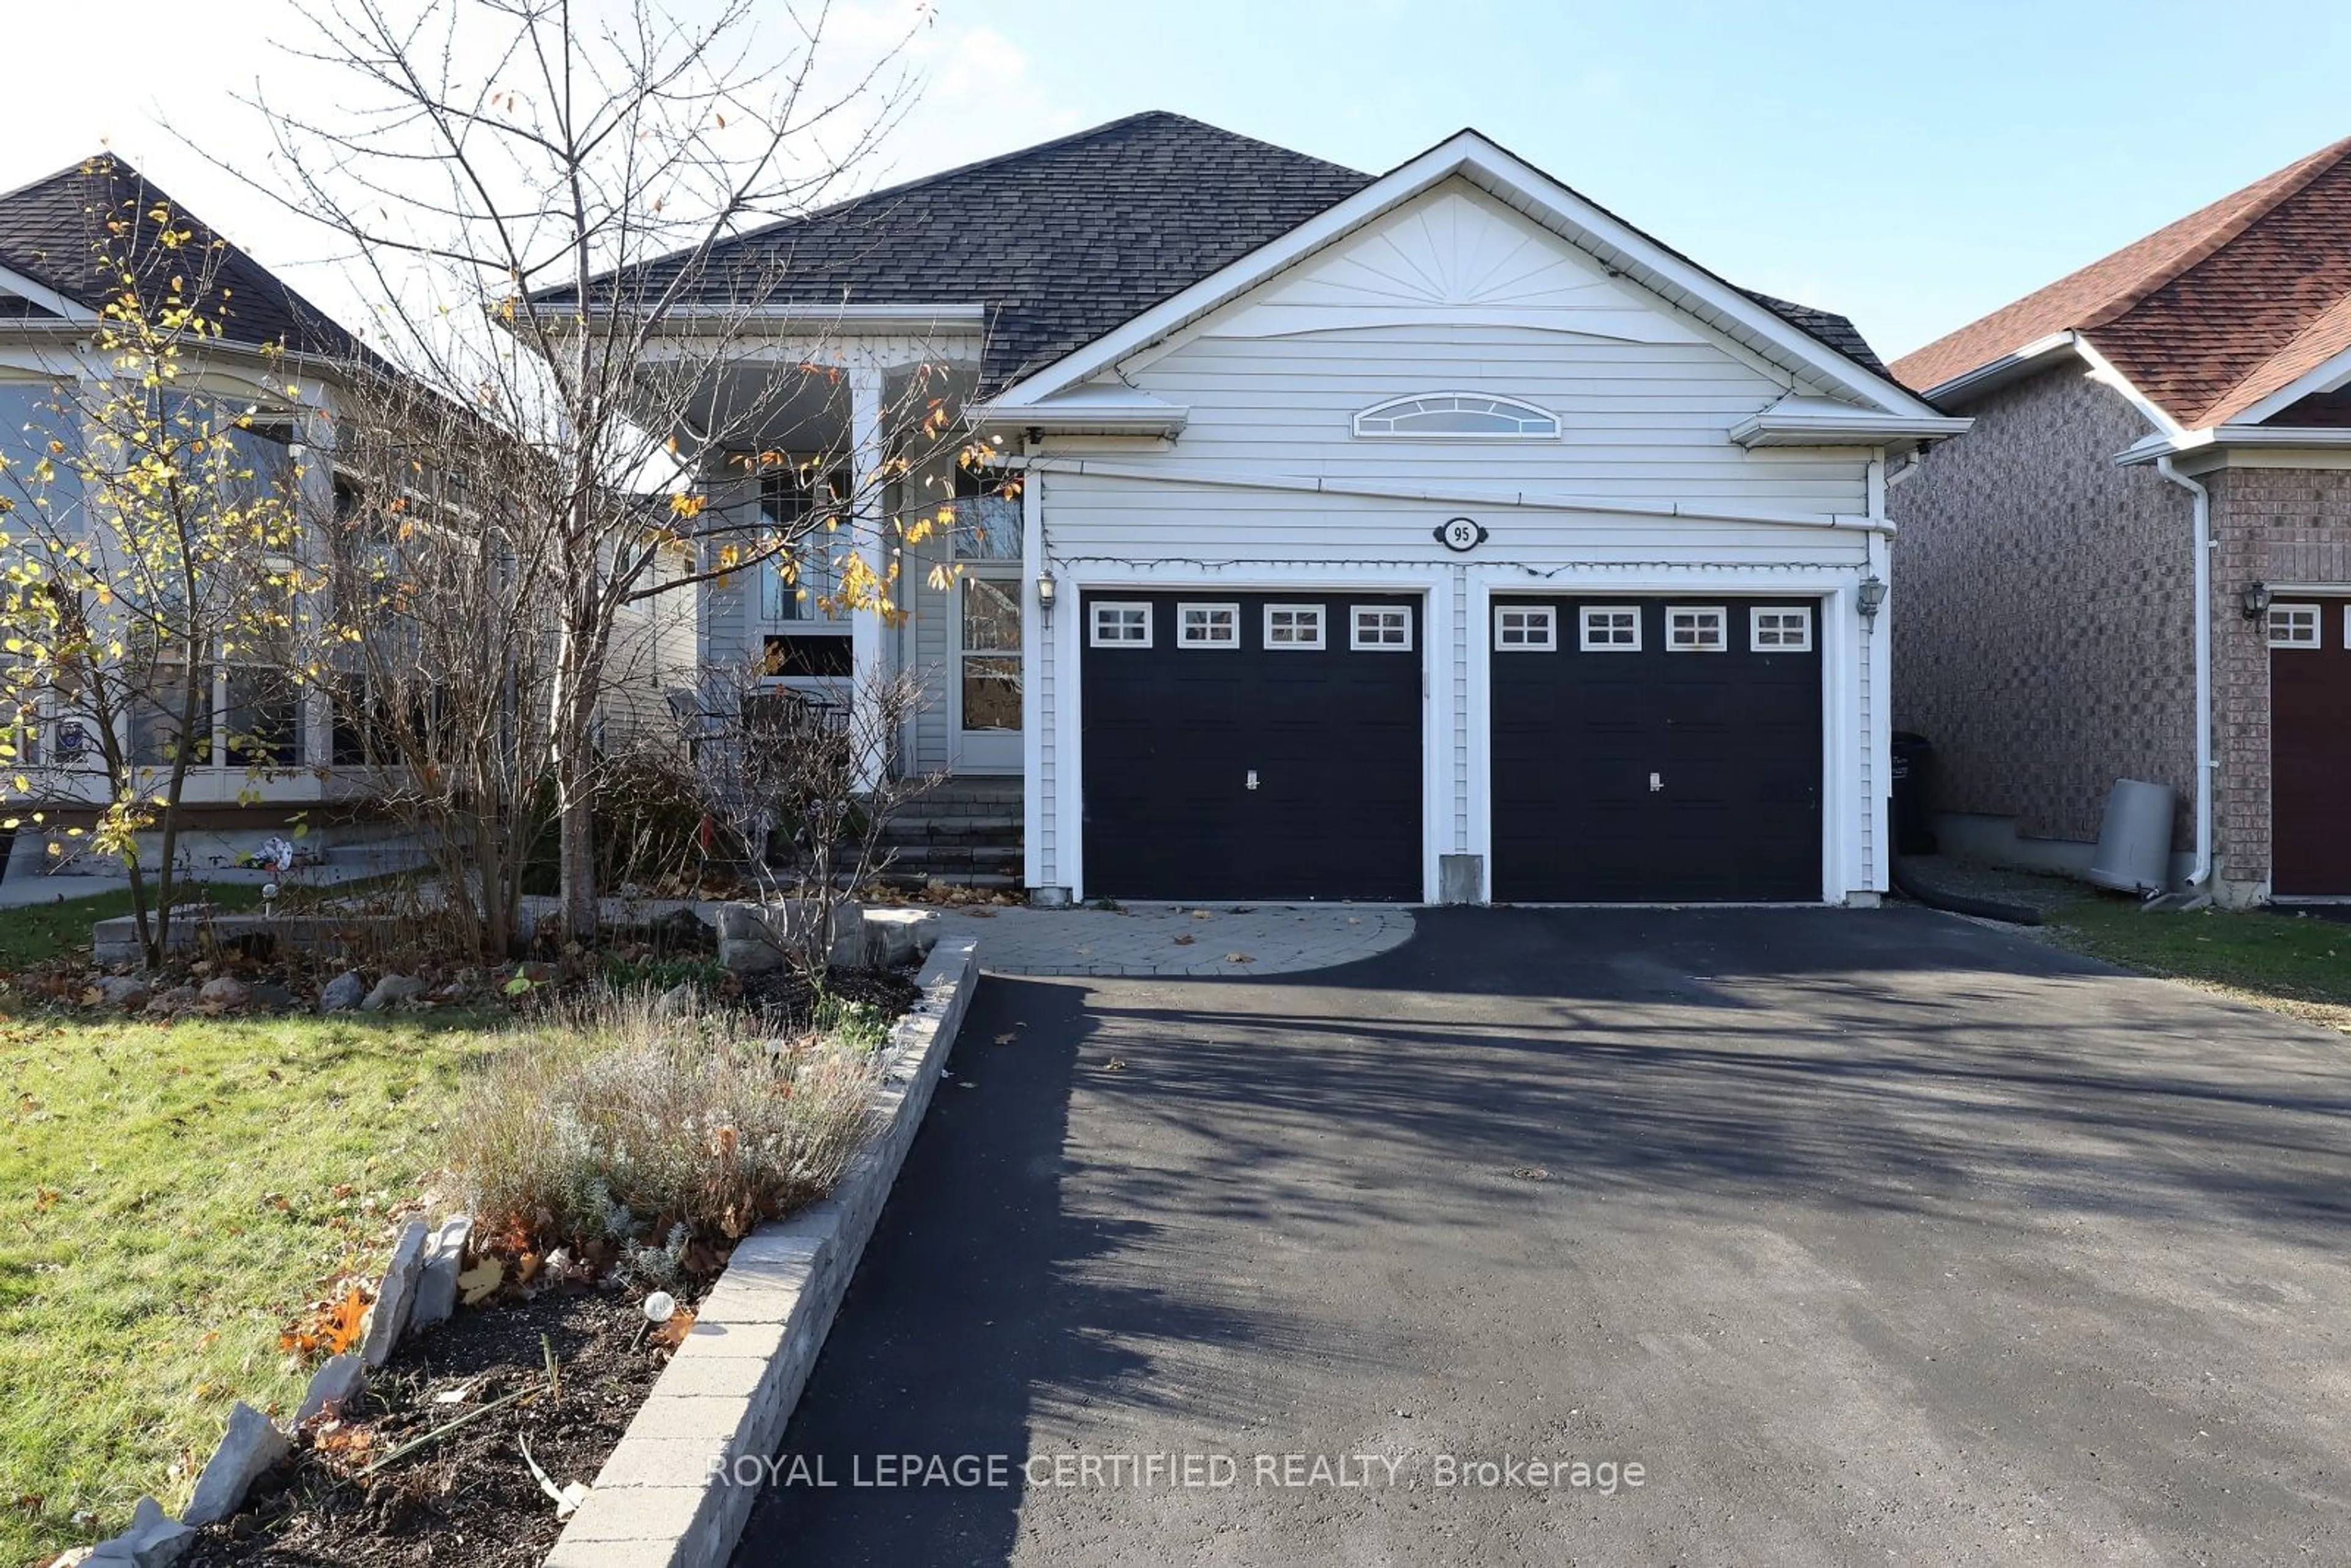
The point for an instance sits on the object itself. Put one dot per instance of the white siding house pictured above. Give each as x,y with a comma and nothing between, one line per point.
1454,542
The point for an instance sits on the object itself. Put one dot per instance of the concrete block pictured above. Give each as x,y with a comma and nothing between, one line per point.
337,1383
445,1257
246,1451
1461,879
388,1319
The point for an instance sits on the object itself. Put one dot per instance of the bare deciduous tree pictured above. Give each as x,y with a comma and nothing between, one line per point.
804,791
536,197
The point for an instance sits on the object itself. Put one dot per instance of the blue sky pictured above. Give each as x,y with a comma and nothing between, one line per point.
1911,165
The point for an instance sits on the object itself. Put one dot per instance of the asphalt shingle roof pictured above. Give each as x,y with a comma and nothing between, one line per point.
1063,242
48,230
2206,315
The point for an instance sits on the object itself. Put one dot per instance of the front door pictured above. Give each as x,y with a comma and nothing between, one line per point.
987,684
2310,747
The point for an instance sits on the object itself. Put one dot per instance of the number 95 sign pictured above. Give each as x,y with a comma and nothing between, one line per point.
1461,534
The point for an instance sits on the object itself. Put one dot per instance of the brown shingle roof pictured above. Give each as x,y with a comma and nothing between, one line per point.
2207,315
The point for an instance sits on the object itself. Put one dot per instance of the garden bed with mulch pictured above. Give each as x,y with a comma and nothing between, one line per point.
470,1497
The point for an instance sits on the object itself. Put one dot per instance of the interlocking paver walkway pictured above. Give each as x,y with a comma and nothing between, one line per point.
1197,939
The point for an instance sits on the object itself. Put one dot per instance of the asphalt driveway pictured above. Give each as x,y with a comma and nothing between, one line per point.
1869,1237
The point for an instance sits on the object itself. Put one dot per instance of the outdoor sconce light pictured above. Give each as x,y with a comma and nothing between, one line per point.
1045,590
2256,599
1871,595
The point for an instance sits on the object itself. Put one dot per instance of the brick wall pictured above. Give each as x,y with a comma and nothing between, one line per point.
2042,607
2273,525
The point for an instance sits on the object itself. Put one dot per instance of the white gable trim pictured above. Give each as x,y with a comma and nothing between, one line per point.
2324,377
1681,283
42,295
1822,421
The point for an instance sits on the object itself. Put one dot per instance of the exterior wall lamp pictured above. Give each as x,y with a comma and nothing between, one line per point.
1870,596
1046,589
2255,597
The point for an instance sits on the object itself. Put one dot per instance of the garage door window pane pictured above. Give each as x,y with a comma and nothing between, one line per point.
1694,629
1781,631
1295,626
2293,626
1381,629
1122,626
1610,629
1209,625
1519,629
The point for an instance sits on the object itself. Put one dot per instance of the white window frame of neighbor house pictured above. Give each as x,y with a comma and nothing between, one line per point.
1285,622
1597,625
1118,616
1379,616
1774,621
1207,619
1474,416
1722,622
2299,626
1526,629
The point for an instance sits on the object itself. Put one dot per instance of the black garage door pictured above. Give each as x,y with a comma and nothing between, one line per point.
1648,749
1253,746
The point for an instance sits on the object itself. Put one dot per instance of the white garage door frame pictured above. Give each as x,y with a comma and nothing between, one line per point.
1844,811
1079,578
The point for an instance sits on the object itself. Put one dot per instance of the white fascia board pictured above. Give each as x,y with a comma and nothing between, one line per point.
1993,374
1090,411
47,298
787,315
1518,185
2325,377
2221,438
1817,422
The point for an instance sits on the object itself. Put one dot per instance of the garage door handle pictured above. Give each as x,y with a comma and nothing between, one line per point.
1656,783
1252,778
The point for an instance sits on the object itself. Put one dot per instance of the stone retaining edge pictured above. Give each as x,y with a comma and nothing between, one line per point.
663,1499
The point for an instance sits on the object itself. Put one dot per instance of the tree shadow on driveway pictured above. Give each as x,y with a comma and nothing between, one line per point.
1533,1176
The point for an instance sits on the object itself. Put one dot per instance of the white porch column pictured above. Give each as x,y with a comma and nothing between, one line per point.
869,644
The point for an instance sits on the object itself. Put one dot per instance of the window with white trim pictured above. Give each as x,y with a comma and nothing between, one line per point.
1525,629
1696,628
1780,630
1381,628
1294,626
1457,416
2293,626
1115,625
1609,628
1208,625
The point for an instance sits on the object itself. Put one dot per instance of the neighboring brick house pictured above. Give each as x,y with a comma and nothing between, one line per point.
2197,384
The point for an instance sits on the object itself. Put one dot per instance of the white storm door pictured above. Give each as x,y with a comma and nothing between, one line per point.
985,691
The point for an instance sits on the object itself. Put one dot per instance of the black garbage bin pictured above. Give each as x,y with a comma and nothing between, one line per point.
1912,753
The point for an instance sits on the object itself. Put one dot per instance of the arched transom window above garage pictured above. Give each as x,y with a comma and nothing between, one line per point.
1457,416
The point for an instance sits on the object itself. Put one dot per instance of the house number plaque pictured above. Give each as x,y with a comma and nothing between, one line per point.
1461,534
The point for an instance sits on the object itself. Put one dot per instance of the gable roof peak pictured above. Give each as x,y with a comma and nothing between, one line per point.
50,227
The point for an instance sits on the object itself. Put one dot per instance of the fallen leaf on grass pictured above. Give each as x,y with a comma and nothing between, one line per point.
477,1282
330,1327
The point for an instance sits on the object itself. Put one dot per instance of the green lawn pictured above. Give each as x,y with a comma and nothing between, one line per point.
169,1196
30,932
2296,961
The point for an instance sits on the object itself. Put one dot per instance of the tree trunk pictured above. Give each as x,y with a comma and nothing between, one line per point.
576,856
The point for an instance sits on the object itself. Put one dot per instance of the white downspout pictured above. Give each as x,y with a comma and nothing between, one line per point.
2200,877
